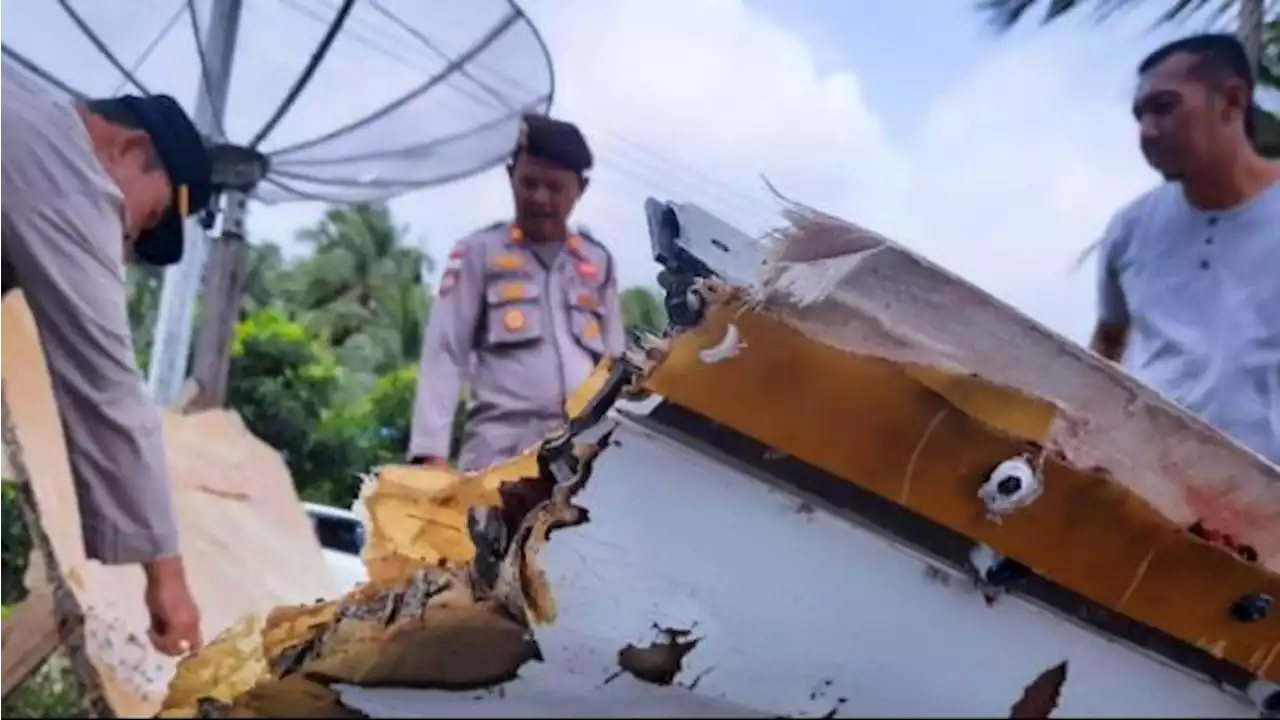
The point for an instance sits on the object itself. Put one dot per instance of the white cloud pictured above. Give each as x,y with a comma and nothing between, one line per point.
1014,170
689,101
1017,169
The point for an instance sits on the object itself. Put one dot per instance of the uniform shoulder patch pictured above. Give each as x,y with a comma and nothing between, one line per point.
453,266
588,237
602,248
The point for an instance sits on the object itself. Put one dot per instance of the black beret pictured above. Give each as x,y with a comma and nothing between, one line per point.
185,158
555,141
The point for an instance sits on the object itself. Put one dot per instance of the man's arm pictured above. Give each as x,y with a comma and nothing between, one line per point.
1109,340
1111,334
61,252
446,354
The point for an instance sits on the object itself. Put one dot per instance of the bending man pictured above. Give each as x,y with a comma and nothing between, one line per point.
85,184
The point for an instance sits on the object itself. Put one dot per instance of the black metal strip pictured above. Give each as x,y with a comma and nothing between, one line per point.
929,537
308,72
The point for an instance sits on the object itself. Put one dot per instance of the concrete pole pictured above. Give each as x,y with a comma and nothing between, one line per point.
172,345
223,288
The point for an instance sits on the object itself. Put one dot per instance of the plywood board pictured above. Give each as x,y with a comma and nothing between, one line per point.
30,637
247,542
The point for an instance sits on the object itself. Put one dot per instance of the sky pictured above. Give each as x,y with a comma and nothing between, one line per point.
1000,158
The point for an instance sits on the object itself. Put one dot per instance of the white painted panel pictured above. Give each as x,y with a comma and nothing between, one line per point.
798,610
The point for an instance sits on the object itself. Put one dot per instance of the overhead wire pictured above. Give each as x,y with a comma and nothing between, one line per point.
216,105
29,66
101,46
308,72
353,33
151,47
725,196
440,54
476,48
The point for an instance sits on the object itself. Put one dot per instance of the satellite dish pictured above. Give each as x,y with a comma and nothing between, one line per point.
334,101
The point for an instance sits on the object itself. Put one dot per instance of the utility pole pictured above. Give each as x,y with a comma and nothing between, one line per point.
223,287
168,363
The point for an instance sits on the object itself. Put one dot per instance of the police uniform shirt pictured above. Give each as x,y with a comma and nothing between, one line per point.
520,334
63,240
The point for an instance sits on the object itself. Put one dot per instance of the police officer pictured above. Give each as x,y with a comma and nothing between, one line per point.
84,185
526,310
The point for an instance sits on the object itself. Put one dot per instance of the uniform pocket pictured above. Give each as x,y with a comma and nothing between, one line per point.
585,320
514,314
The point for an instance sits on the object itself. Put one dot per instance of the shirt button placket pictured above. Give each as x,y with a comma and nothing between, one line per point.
1208,240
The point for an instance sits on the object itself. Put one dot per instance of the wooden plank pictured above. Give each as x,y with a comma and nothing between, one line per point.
30,636
63,606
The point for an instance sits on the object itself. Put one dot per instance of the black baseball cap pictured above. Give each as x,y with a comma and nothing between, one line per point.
185,158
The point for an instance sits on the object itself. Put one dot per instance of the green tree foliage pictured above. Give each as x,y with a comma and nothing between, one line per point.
52,691
1005,14
362,288
641,309
284,384
324,363
143,304
389,410
16,548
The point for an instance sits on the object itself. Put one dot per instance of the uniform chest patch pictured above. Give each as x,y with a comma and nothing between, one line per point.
507,261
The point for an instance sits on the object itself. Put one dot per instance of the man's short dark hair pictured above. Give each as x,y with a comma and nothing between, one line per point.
1220,58
116,113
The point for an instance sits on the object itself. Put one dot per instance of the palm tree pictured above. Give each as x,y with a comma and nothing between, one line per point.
641,309
1260,35
143,304
1004,14
264,278
362,288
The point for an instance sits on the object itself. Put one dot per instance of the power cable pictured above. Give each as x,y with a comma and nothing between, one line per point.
151,47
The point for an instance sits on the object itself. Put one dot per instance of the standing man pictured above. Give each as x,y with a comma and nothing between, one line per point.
84,184
526,311
1189,282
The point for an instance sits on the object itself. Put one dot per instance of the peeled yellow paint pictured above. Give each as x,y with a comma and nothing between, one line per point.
418,515
226,668
417,518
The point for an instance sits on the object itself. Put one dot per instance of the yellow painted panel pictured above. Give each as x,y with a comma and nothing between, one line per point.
908,436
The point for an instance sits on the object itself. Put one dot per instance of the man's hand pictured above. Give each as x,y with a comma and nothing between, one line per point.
1109,340
175,619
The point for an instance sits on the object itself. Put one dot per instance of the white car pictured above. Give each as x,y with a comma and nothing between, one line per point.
341,535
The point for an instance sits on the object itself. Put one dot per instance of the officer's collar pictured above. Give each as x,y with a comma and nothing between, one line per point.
516,238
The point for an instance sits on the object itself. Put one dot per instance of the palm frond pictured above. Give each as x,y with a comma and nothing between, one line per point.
1004,15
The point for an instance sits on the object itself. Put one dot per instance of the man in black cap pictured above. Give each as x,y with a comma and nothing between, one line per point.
85,186
526,310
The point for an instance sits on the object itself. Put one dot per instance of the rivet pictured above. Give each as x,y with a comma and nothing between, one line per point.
1251,608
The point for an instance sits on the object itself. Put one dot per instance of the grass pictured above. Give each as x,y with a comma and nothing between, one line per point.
50,693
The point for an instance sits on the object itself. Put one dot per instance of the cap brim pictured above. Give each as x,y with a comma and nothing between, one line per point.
162,244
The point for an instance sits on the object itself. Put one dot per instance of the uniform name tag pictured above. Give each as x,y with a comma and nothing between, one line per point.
508,261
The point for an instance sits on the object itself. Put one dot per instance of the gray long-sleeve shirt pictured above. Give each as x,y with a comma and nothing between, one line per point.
63,232
523,331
